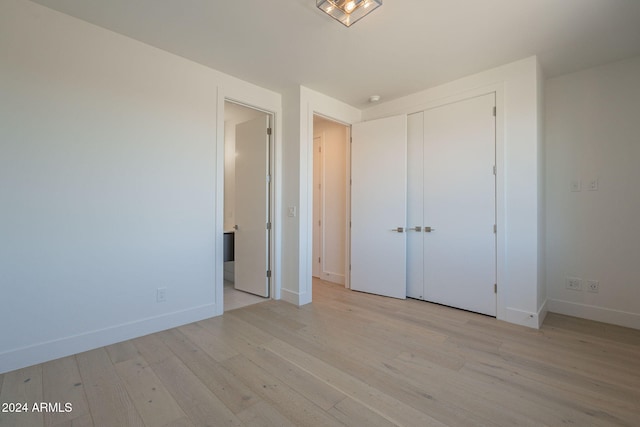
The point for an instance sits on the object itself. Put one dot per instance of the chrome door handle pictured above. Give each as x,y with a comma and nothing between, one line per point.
398,230
235,227
429,229
416,228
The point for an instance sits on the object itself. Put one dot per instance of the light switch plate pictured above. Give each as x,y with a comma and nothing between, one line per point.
576,185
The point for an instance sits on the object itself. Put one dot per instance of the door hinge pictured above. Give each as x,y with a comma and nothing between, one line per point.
320,149
319,260
268,178
494,169
494,111
495,288
268,131
495,228
350,139
268,274
269,225
319,223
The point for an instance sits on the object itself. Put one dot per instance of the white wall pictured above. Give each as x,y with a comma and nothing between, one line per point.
519,162
334,198
593,132
110,185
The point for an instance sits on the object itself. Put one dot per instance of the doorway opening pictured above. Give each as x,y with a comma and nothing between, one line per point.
331,201
247,205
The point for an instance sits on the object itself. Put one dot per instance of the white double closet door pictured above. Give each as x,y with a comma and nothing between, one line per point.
431,175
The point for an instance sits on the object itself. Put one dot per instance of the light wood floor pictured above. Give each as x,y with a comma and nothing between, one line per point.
348,358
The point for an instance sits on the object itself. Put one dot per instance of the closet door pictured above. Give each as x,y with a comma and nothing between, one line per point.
415,205
459,205
378,206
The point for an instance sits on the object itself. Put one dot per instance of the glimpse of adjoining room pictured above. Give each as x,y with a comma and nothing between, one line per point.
246,240
330,200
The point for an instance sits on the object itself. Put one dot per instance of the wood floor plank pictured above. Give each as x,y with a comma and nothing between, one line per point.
109,403
350,412
23,387
263,415
291,404
62,383
225,385
216,348
373,398
199,403
154,403
122,351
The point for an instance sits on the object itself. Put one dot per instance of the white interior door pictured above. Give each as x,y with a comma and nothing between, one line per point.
459,205
378,206
252,207
415,205
317,206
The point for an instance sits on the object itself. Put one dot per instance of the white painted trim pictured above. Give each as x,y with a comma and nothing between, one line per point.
311,103
542,313
333,277
347,234
591,312
45,351
523,318
271,103
291,296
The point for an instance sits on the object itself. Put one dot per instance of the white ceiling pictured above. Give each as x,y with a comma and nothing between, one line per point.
402,47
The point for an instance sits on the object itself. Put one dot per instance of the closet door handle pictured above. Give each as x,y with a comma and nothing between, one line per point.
429,229
416,228
398,230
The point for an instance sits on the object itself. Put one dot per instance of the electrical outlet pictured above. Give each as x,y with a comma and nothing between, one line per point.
573,283
576,185
593,185
593,286
161,295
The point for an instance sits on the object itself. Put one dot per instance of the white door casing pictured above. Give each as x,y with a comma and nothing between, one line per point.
378,206
317,207
252,206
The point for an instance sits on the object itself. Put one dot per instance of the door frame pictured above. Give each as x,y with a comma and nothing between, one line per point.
347,234
273,110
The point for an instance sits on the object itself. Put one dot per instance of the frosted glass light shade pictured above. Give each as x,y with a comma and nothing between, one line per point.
348,12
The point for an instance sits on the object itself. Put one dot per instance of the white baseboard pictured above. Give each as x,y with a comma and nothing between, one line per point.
523,318
295,298
599,314
542,313
46,351
333,277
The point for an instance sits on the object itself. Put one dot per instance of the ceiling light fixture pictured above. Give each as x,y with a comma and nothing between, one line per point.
348,12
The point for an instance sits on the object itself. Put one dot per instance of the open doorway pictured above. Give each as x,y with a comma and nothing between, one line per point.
247,206
331,174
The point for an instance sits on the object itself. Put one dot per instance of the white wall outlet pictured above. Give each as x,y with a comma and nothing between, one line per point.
573,283
292,211
593,185
161,295
593,286
576,185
